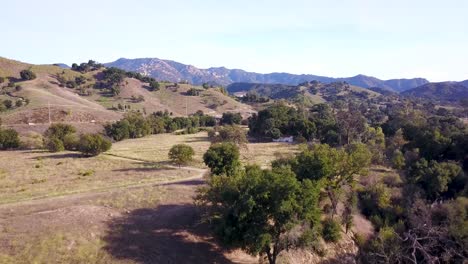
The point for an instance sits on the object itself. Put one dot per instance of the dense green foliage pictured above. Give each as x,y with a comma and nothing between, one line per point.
222,158
181,154
331,230
257,210
281,120
59,137
86,66
135,125
336,168
231,119
93,144
9,139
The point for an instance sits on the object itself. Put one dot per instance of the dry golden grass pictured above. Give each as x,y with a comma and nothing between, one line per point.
264,153
155,148
27,175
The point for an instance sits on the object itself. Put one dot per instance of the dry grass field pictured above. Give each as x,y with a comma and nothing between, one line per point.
154,148
30,175
125,206
62,208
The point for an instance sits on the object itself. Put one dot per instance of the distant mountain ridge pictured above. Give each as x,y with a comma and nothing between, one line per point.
440,91
175,72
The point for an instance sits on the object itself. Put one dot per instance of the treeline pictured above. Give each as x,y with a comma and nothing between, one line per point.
135,125
58,137
87,66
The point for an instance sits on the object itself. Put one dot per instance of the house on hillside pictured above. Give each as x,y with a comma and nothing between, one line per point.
289,139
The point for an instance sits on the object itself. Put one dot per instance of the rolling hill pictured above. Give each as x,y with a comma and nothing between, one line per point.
175,72
314,91
440,91
86,104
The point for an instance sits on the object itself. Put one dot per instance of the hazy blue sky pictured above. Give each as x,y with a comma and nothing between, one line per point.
338,38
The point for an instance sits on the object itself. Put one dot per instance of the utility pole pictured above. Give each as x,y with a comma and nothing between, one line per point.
48,104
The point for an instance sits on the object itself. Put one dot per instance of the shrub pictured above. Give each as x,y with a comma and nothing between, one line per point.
8,104
93,144
181,154
55,145
27,75
9,139
331,231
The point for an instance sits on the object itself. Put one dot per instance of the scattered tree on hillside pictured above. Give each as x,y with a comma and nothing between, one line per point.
55,136
231,119
222,158
181,154
93,144
9,139
27,75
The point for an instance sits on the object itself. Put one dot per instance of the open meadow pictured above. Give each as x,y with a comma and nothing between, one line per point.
129,205
154,148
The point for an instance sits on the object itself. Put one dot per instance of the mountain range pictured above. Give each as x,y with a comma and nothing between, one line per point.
175,72
440,91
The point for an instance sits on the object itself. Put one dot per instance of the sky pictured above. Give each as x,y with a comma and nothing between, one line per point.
336,38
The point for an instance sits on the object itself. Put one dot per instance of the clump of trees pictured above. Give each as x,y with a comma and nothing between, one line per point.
135,125
93,144
193,92
9,139
261,211
254,97
59,137
267,211
87,66
231,119
181,154
280,120
27,75
113,78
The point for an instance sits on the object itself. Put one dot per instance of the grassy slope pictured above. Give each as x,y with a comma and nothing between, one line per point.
67,106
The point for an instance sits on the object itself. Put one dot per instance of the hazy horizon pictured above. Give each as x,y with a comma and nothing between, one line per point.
386,40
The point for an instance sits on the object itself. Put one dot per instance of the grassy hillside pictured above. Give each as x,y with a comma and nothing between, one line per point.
313,92
442,91
83,103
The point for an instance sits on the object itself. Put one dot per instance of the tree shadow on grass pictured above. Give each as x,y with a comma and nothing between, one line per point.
63,155
166,234
343,258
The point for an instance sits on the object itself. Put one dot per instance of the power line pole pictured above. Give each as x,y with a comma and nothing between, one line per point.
48,104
